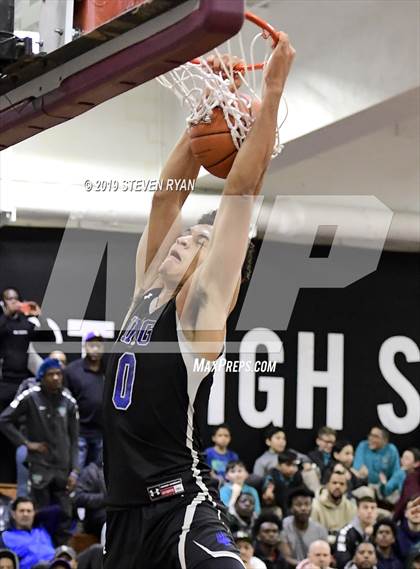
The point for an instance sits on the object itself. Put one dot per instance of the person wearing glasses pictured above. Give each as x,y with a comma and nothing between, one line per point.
322,455
378,455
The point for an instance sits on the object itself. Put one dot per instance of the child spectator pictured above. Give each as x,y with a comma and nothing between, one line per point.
385,537
244,543
408,533
275,439
343,454
322,455
282,479
218,456
236,474
409,459
241,514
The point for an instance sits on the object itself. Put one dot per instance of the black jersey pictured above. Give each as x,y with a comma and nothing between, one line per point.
151,439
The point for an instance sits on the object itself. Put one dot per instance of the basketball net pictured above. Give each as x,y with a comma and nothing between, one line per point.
201,90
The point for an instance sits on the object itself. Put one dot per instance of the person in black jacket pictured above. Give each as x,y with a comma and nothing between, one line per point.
358,530
322,455
16,333
90,494
50,416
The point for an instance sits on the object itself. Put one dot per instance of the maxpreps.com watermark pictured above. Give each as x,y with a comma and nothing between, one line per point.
140,185
201,365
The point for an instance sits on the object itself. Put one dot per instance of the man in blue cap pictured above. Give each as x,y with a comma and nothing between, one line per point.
50,416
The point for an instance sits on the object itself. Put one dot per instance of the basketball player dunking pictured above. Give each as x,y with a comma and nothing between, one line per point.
162,513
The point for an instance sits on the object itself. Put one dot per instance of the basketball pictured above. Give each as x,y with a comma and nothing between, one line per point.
212,143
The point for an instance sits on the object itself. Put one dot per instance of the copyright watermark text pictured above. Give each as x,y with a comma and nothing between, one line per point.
140,185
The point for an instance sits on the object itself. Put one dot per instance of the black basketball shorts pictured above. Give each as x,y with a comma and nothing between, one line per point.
179,533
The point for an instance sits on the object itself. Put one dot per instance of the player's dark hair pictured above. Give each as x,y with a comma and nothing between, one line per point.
263,518
21,500
270,431
249,262
301,492
232,463
221,426
385,522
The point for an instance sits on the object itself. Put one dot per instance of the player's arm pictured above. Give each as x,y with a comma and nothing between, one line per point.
164,222
217,279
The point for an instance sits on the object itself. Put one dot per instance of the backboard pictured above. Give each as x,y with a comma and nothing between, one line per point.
113,46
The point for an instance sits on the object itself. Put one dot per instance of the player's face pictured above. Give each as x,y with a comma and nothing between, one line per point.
186,254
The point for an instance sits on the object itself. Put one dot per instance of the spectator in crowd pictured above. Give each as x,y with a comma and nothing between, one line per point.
411,487
219,455
409,459
245,545
236,474
16,332
91,558
85,379
275,439
267,530
50,417
68,553
414,560
241,514
8,559
60,564
22,472
378,455
331,508
299,531
364,557
90,495
408,533
5,502
358,530
385,537
319,556
343,454
32,545
282,479
322,455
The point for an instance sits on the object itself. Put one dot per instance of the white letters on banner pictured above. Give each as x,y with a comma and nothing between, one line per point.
331,379
392,375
